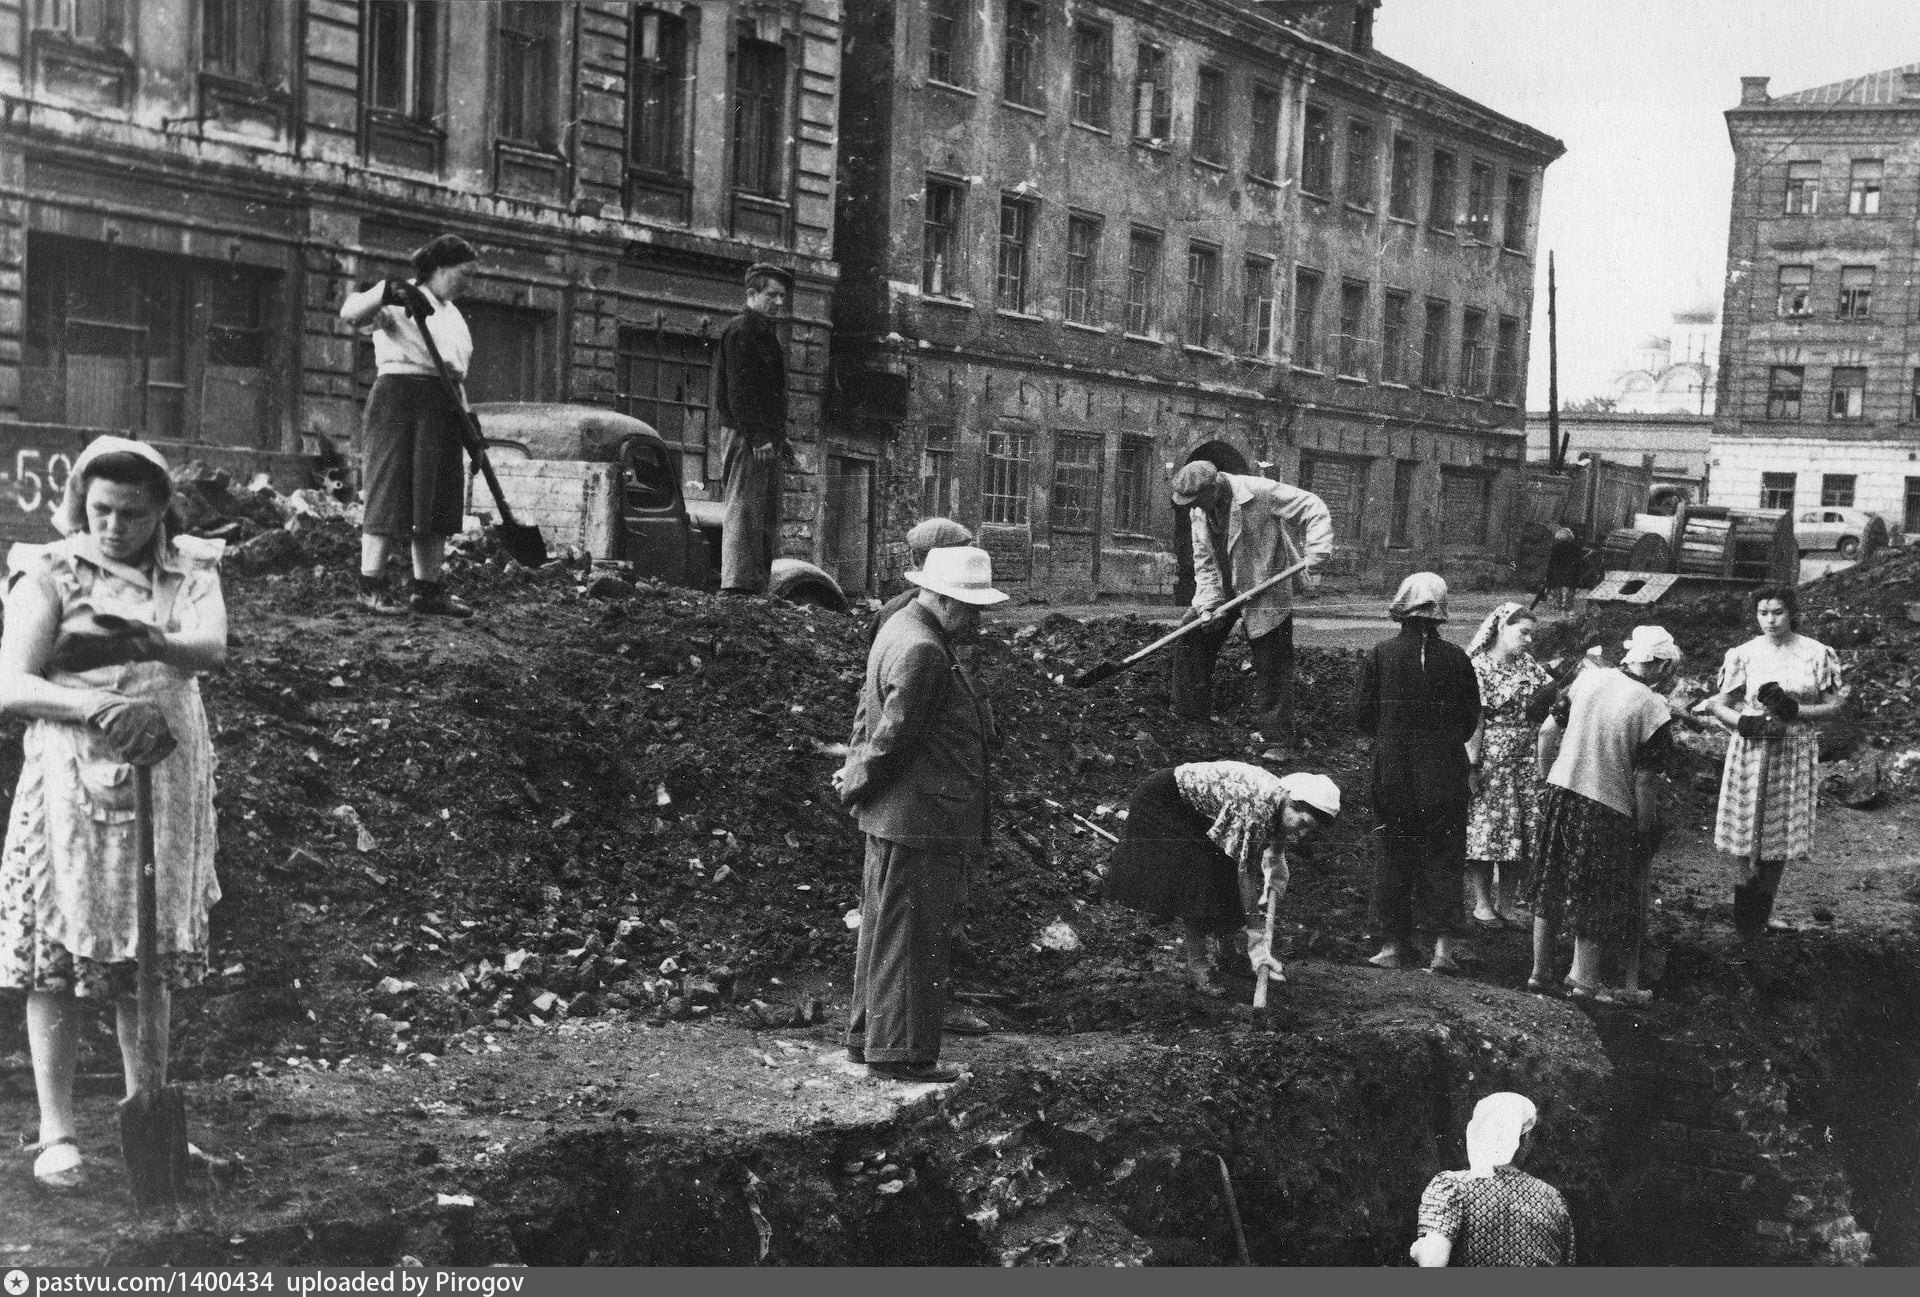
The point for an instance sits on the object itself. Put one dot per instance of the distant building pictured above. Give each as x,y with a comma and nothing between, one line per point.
1820,389
1081,246
1679,443
1672,374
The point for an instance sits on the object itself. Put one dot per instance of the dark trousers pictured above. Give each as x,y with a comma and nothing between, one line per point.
1417,882
751,533
902,963
1195,653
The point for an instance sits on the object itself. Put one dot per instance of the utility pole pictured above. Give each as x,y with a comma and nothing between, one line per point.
1556,449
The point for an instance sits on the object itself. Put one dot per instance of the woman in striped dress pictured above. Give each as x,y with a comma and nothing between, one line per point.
1772,690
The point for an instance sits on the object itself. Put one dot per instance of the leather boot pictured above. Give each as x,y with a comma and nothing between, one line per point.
1746,921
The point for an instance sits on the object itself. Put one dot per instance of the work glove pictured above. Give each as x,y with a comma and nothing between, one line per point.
1757,727
102,639
134,728
404,294
1778,701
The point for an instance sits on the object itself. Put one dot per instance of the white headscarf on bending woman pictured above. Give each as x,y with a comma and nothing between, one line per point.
1493,1136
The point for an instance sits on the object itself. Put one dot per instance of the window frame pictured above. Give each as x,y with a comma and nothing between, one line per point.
1006,480
1506,360
1073,497
1854,394
1081,282
1775,496
538,118
1406,473
1478,224
1363,183
1256,306
1855,299
1023,54
1132,486
1264,149
1203,295
1443,203
949,264
1143,280
1403,182
1347,510
1013,255
1393,336
1864,187
1793,296
1519,212
694,358
1476,523
955,19
1153,82
1355,298
70,19
1435,362
1837,490
1308,285
230,23
939,475
1802,194
1473,352
423,69
1316,152
1210,90
663,115
766,145
1092,78
1786,400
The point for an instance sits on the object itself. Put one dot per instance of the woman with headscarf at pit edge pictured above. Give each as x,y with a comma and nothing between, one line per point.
1493,1213
1516,693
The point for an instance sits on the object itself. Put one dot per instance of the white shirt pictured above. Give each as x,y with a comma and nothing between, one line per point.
397,346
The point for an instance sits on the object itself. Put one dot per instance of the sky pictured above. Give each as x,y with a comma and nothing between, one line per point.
1636,211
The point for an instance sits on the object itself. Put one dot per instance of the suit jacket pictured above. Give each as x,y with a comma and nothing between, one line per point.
750,380
916,772
1254,544
1420,718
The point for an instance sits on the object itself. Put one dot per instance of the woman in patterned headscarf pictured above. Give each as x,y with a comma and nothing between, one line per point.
1516,693
1203,843
1493,1213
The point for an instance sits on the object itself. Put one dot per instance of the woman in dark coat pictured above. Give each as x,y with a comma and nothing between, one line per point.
1563,570
1419,701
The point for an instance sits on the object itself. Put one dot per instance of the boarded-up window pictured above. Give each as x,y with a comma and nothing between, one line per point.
1342,483
667,380
1463,507
1076,482
506,353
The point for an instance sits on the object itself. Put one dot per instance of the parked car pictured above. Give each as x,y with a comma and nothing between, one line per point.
652,523
1850,531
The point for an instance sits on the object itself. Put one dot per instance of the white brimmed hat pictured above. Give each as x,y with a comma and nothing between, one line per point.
963,572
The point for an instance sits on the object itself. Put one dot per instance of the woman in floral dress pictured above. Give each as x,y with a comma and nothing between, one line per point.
1772,689
105,631
1503,819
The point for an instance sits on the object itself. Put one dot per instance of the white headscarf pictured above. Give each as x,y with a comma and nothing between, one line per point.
1493,1136
1490,629
1314,790
1424,594
70,518
1649,644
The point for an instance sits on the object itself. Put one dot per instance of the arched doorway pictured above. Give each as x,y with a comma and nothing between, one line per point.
1223,455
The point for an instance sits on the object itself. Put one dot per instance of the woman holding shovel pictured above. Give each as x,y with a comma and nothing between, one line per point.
1771,690
414,482
1205,843
105,631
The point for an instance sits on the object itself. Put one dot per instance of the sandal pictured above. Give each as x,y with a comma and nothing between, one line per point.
59,1168
1584,990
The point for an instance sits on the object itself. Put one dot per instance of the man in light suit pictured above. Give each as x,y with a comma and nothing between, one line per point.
916,778
1230,535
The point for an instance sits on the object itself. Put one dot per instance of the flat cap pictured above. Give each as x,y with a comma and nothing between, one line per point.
759,268
1191,480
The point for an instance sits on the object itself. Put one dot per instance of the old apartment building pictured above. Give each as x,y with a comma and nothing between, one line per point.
1820,359
1082,243
188,188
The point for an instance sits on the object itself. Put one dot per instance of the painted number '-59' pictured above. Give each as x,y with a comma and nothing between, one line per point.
36,486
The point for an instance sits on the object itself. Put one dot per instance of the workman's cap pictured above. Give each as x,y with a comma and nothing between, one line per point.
1315,792
960,572
759,268
1193,479
1650,644
936,533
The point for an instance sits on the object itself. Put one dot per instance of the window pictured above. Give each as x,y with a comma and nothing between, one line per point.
940,238
510,341
1353,325
1256,310
1506,361
86,22
1441,214
235,40
1393,338
1131,472
657,93
1076,482
1433,347
1316,153
1916,401
1021,62
1143,273
1152,94
1093,74
947,34
1016,247
1203,293
759,137
1003,496
171,348
1306,319
1783,391
939,488
529,51
1776,491
1263,153
1863,187
1480,202
402,57
1803,188
1473,352
1209,110
1400,525
1795,290
1856,292
1910,522
1464,499
1406,178
1360,179
1342,484
1836,490
1519,208
1848,399
667,379
1083,266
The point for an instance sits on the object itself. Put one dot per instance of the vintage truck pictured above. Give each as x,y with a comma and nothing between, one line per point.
605,482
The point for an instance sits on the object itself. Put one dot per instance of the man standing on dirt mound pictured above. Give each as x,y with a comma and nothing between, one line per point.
750,398
916,778
1237,527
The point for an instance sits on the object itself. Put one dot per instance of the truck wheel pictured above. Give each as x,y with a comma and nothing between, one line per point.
1848,546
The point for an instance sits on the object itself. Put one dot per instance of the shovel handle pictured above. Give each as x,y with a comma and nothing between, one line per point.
476,442
1260,979
1106,670
150,1057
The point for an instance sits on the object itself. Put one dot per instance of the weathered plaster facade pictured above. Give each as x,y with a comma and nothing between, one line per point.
1059,399
1819,362
258,160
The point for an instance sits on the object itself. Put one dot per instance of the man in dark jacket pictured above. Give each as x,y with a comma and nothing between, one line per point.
1419,700
750,401
916,777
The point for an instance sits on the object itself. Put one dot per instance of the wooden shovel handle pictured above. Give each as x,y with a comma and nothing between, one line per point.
150,1058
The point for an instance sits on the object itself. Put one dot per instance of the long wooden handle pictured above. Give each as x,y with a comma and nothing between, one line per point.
150,1062
475,439
1234,602
1260,980
1759,804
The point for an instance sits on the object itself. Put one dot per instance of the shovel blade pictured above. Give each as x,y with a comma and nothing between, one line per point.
1094,675
523,543
153,1140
